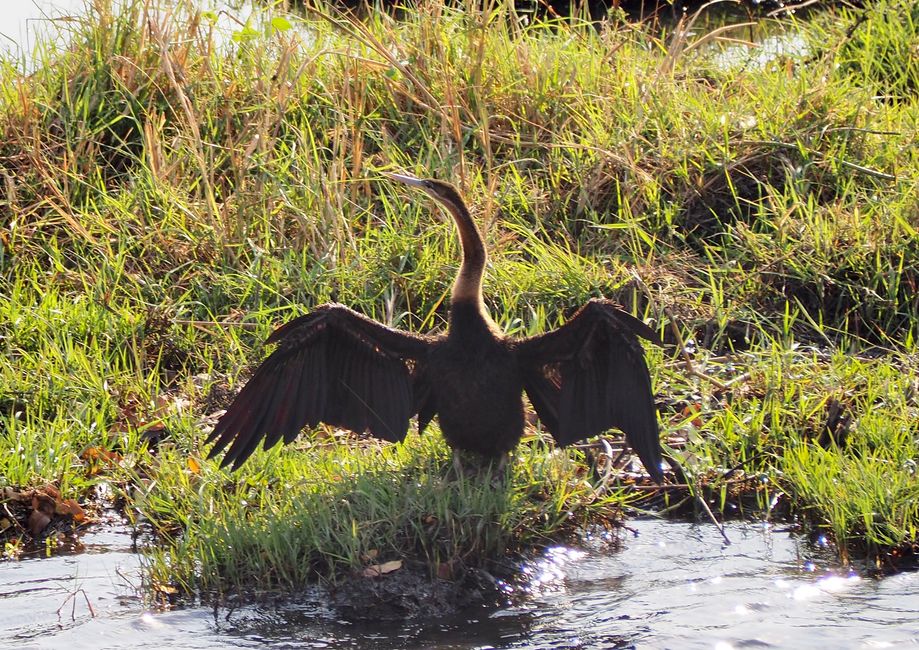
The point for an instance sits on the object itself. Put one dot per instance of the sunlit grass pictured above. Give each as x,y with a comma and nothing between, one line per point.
170,195
339,507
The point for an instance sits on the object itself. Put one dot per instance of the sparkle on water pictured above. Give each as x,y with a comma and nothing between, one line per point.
670,585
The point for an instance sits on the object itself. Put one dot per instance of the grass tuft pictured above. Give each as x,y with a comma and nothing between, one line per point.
344,507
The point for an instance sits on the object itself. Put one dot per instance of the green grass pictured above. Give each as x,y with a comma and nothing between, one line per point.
170,196
295,517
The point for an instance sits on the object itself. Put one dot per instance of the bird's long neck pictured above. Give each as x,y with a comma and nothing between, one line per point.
467,309
468,284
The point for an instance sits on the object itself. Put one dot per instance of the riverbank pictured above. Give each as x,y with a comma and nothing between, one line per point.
171,197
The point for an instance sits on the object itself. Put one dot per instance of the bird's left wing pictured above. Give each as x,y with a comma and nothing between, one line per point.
332,365
590,375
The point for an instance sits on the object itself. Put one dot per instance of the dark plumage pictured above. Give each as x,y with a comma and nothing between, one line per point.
339,367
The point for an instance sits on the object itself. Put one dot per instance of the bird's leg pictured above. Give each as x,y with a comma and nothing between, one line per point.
457,464
500,470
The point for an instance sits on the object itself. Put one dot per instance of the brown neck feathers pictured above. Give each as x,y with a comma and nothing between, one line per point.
468,284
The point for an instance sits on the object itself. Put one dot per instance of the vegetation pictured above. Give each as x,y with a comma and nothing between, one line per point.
175,188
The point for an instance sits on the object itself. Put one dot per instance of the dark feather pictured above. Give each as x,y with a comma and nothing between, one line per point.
543,394
425,404
603,380
333,366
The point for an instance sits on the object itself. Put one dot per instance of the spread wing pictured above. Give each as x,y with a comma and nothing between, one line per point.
590,375
334,366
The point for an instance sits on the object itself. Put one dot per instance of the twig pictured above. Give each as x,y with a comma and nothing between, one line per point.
121,574
13,519
711,516
690,368
737,380
73,610
675,507
867,170
792,8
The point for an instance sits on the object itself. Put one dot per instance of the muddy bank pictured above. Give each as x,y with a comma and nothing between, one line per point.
412,592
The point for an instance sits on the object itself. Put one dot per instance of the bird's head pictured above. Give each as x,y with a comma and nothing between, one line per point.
440,191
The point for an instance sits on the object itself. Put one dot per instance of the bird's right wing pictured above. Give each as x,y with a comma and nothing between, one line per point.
332,365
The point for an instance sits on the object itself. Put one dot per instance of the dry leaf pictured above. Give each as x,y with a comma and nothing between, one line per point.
693,409
96,458
377,570
169,590
72,508
38,521
100,454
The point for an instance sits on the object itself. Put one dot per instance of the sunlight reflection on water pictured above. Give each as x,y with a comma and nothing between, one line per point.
673,585
789,45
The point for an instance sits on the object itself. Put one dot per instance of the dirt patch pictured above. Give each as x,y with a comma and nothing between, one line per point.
412,592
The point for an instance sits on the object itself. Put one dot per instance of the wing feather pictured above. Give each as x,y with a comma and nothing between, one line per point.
334,366
306,393
590,375
245,411
543,393
284,418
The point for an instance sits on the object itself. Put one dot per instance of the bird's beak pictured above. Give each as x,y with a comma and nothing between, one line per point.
405,178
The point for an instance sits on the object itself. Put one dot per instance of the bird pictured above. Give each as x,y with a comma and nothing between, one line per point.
336,366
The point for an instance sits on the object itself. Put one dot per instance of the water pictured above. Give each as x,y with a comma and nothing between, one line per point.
768,49
24,21
674,585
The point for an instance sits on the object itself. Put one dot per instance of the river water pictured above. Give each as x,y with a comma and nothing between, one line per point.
670,585
22,22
